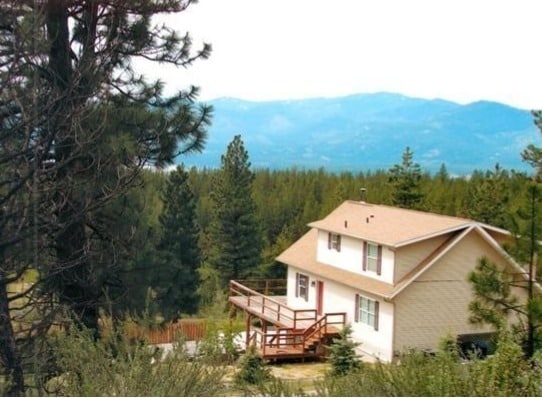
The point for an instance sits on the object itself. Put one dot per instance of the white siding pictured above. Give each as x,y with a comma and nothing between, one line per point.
350,257
299,302
340,298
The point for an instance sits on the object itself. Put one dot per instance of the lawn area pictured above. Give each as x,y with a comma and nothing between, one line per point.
300,371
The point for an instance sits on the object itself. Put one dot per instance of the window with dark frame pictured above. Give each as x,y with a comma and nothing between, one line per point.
334,241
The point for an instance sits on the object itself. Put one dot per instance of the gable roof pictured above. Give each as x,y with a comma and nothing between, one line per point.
402,226
391,226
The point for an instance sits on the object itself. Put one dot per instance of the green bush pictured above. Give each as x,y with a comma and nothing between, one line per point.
507,373
218,347
252,369
343,357
121,368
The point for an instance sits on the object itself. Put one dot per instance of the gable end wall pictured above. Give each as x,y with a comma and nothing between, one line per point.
437,303
408,257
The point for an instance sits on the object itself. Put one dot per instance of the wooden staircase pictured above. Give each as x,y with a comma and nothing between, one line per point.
285,332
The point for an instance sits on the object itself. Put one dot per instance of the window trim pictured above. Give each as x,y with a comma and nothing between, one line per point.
374,312
366,258
334,241
299,285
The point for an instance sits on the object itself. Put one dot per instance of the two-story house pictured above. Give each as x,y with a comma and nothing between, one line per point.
399,277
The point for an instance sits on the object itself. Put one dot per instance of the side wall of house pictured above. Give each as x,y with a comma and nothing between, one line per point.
340,298
350,257
437,303
408,257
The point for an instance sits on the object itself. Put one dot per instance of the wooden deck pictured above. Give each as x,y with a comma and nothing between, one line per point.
285,332
275,311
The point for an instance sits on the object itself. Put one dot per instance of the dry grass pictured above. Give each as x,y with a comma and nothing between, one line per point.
300,371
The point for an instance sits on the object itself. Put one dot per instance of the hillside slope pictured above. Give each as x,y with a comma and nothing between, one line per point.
369,132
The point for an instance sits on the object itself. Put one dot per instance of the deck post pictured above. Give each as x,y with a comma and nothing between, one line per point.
247,337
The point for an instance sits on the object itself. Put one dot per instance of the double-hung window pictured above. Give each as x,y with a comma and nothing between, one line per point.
302,286
334,241
367,311
372,258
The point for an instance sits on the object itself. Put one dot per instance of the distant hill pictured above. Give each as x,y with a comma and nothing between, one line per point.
369,132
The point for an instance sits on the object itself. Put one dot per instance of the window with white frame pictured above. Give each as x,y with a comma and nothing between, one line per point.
367,311
372,258
334,241
302,286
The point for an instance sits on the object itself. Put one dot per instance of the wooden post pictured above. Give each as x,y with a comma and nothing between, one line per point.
247,337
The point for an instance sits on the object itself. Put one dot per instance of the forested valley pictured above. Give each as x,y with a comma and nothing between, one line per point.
285,201
95,235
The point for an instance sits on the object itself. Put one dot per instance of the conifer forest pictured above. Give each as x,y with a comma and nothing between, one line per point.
103,229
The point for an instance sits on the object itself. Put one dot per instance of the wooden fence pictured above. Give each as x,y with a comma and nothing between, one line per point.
185,329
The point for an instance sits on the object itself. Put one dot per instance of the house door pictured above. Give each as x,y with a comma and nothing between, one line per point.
319,297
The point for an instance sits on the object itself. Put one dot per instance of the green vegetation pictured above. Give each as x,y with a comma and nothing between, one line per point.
343,357
234,235
252,369
90,236
119,367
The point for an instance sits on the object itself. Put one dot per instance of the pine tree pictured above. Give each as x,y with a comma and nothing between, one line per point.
180,257
234,233
533,154
497,291
406,181
78,126
343,357
487,198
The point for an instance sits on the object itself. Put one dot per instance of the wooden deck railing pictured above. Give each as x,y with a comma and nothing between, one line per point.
271,308
291,340
267,287
321,327
295,329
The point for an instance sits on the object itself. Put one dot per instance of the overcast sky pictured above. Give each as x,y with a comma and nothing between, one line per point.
461,50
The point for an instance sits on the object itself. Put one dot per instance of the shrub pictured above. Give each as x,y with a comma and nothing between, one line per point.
343,357
252,368
119,367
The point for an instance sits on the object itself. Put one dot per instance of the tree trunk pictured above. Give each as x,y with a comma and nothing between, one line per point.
9,353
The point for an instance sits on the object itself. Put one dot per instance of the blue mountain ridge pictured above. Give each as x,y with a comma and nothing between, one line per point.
369,132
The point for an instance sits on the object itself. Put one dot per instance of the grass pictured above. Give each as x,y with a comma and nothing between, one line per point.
302,375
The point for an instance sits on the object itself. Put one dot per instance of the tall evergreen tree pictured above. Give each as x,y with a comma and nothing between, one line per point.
493,287
235,236
78,124
406,181
180,257
487,198
533,154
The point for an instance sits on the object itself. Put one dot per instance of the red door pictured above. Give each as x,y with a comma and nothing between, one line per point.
319,297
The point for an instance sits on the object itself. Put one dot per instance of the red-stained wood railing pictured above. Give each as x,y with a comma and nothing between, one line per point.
269,307
295,330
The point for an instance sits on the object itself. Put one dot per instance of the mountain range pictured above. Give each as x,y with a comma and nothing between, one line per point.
370,132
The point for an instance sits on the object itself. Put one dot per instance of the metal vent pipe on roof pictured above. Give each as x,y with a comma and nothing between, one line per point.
363,194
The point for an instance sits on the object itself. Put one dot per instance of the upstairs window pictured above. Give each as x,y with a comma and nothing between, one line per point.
367,311
372,258
334,241
302,286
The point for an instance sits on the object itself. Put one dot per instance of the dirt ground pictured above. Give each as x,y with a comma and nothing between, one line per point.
297,371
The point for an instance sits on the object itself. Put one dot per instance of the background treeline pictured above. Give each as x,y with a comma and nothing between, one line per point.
89,236
285,201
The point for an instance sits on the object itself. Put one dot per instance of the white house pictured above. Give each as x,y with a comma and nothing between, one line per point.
400,277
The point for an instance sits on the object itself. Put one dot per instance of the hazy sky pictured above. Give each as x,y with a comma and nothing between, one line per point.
461,50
